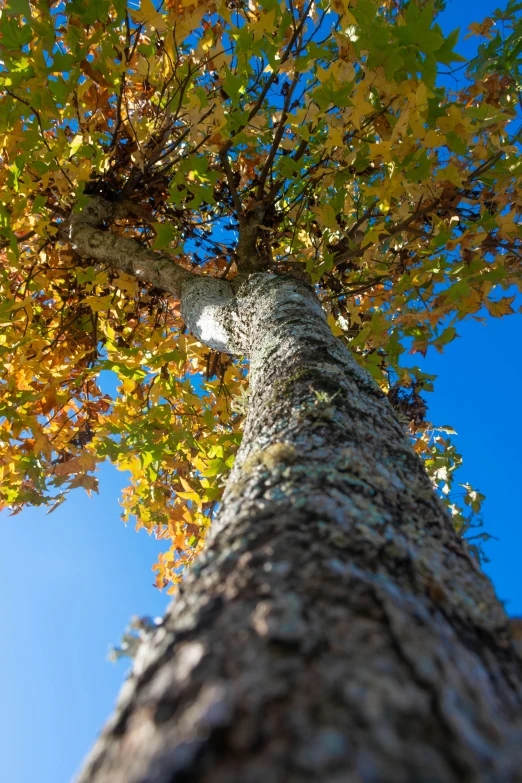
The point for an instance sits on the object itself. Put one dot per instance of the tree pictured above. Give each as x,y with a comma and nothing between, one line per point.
249,212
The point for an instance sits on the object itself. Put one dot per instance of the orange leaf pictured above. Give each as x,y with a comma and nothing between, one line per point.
500,308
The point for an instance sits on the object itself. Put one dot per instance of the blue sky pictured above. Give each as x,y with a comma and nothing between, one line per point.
70,582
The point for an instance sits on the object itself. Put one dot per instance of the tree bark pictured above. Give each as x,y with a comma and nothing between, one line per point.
336,628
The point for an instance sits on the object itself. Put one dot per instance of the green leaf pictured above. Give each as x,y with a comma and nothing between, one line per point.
17,8
446,337
62,62
14,36
445,53
233,86
165,235
91,11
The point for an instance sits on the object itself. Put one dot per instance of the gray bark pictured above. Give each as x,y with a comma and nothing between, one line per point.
335,628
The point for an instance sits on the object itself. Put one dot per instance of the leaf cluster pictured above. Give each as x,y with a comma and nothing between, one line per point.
315,139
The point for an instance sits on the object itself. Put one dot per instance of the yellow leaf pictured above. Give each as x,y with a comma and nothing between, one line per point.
359,110
147,14
434,139
450,174
401,126
322,74
507,223
186,485
266,23
17,305
75,144
332,323
128,385
341,7
190,496
75,465
97,303
335,137
421,97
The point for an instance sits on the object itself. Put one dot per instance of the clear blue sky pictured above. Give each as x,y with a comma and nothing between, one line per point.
69,582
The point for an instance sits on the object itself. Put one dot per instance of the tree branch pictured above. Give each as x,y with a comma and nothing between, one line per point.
223,157
206,302
124,254
25,236
280,129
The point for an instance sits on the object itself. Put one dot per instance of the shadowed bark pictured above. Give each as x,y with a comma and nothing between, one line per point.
335,628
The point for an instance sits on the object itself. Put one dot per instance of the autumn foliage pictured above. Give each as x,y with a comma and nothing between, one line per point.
382,167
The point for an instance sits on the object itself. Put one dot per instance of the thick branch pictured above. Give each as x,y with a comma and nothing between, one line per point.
124,254
207,304
248,256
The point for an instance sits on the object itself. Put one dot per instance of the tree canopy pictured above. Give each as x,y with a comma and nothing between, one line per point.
344,142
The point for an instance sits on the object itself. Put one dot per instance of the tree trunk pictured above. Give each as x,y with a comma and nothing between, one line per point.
336,629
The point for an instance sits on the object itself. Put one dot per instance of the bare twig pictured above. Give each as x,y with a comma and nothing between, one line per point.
225,162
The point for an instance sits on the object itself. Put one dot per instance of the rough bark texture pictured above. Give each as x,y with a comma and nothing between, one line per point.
336,629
